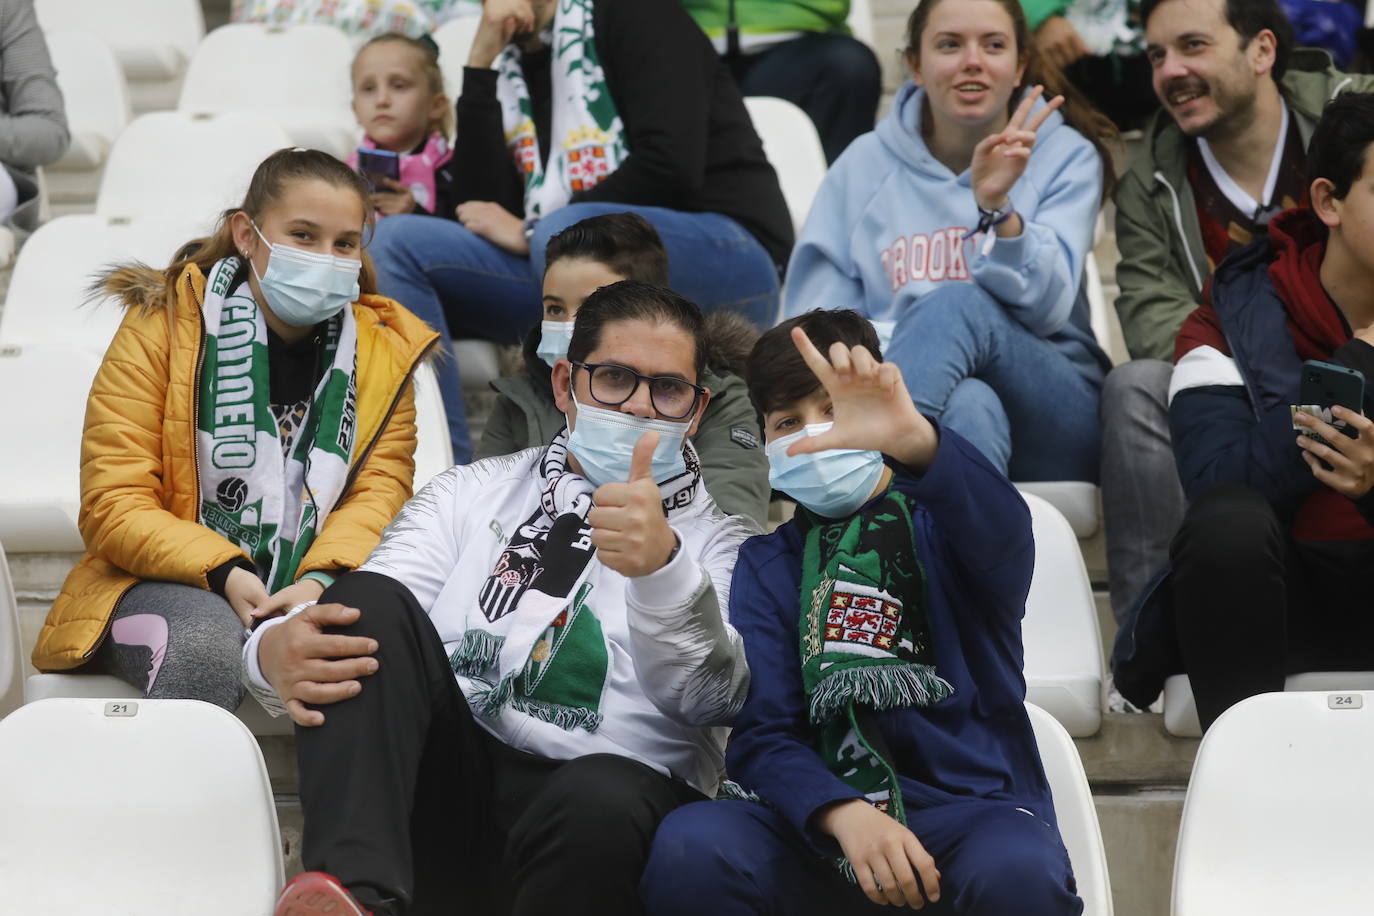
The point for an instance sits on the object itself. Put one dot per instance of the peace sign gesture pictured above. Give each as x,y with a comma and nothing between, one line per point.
999,160
871,406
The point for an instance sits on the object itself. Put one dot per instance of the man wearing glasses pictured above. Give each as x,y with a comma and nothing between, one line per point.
535,665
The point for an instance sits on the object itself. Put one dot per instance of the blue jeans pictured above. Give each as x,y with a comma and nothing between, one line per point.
737,858
465,286
1028,408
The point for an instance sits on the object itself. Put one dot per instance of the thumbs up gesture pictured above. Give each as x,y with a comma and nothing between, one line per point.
629,528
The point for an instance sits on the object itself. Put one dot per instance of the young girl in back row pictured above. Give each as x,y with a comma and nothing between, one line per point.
961,226
250,432
399,101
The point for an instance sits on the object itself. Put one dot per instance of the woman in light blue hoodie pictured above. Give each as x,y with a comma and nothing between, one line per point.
960,227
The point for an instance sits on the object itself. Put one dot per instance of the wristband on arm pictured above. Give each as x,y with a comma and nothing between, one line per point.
988,220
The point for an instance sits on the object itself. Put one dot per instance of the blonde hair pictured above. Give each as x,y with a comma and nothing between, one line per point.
269,184
429,66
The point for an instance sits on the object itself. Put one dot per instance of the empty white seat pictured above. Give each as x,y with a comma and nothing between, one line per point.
296,74
40,492
1180,708
793,147
10,659
1077,500
176,165
155,807
1063,646
1074,810
94,94
433,446
860,22
454,39
1277,815
96,686
479,362
1097,303
153,39
46,302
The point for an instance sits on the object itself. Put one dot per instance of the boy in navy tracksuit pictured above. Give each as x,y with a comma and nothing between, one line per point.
884,746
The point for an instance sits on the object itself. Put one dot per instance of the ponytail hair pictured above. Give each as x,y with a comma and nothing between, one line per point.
1077,110
276,173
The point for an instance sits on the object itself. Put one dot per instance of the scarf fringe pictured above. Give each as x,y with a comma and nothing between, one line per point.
495,698
478,652
732,791
877,686
565,717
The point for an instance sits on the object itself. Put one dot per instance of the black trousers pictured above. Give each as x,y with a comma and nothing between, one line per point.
1252,606
418,810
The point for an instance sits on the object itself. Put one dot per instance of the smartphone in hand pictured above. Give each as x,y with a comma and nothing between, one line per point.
375,164
1325,385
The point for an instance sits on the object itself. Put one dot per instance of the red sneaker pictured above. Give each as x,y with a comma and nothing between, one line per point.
315,893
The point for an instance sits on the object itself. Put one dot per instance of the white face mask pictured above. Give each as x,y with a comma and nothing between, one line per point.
603,442
554,337
303,288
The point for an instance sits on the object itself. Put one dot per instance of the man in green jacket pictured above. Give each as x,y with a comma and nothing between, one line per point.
1227,151
597,252
802,52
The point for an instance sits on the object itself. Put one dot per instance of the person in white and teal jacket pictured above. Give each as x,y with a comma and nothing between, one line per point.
960,227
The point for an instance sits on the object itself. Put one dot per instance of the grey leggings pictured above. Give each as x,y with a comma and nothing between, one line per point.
176,642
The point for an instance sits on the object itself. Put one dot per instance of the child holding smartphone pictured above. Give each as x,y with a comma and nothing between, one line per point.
398,98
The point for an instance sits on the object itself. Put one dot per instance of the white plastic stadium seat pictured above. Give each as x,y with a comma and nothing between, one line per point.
1180,709
1074,810
153,39
155,807
1097,303
1063,647
94,94
97,686
860,21
433,446
1277,815
46,298
11,659
1078,500
479,362
454,39
171,164
296,74
46,388
793,147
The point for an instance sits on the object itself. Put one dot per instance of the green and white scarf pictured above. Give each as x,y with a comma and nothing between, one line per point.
268,496
588,142
531,640
864,643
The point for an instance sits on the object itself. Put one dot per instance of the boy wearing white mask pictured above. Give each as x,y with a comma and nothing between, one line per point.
586,256
535,665
884,728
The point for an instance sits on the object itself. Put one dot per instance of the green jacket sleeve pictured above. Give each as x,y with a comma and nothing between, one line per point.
1037,11
730,447
505,432
1156,289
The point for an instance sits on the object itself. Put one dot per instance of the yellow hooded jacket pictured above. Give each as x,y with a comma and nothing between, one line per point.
140,488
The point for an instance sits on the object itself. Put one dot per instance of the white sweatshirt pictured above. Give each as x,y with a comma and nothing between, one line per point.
677,671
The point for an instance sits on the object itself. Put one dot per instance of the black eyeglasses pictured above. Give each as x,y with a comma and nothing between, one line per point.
613,385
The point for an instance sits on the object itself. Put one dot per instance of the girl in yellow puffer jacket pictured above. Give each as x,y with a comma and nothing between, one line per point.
249,434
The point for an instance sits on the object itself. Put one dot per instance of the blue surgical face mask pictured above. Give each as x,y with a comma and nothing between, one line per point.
833,483
553,340
604,441
303,288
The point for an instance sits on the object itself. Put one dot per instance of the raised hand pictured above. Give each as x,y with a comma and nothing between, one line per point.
999,160
306,665
871,406
1351,460
629,530
502,22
